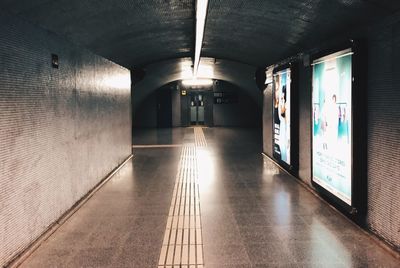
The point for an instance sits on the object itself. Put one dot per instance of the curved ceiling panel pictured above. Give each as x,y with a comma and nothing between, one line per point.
256,32
130,33
262,32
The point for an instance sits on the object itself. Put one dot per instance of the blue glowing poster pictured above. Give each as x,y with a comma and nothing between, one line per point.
331,128
281,115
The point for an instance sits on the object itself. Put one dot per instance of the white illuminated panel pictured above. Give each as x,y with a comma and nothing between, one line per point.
201,13
332,121
197,82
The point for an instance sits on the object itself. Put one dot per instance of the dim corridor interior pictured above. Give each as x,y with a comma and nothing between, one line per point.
206,197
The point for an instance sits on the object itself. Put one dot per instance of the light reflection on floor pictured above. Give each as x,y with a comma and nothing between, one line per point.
252,213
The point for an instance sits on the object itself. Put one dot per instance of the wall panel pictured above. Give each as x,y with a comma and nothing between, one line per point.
61,130
384,132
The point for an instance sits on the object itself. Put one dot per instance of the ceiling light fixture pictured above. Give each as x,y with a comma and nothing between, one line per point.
201,14
197,82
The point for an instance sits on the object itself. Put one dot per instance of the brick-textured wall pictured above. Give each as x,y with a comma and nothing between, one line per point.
61,130
304,88
384,131
383,119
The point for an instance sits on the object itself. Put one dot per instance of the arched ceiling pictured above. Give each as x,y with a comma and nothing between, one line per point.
159,34
261,32
128,32
161,73
141,32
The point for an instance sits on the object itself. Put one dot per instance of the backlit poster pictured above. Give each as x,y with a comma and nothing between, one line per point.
331,127
281,115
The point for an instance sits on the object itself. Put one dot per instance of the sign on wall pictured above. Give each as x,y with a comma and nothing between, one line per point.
332,124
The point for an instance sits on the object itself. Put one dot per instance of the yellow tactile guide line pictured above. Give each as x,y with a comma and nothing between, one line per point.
199,137
183,244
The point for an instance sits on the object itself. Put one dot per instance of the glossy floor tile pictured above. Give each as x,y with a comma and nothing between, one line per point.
252,214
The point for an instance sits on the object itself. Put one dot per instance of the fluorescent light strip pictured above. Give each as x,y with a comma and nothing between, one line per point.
201,14
197,82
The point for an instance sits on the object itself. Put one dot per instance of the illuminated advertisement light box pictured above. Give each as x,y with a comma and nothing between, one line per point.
332,124
281,116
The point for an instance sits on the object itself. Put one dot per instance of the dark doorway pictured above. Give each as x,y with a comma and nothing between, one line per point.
164,108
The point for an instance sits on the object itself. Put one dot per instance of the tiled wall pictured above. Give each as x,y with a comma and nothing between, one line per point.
383,130
61,130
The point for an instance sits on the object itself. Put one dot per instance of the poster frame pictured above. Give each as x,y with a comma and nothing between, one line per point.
357,210
292,168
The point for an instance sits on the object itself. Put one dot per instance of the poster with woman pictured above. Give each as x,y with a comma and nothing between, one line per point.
331,107
281,115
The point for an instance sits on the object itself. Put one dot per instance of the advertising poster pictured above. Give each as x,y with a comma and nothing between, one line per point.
331,130
281,115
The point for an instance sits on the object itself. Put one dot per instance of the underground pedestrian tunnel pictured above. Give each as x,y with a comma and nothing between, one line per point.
199,133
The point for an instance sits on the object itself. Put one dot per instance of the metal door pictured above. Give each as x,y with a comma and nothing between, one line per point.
197,108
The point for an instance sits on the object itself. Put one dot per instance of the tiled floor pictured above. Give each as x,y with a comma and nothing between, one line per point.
252,214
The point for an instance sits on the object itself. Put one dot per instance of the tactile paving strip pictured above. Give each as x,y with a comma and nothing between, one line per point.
200,139
183,243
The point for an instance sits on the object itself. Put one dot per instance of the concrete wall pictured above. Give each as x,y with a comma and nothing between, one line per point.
176,107
61,130
209,108
244,113
185,111
383,127
146,115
